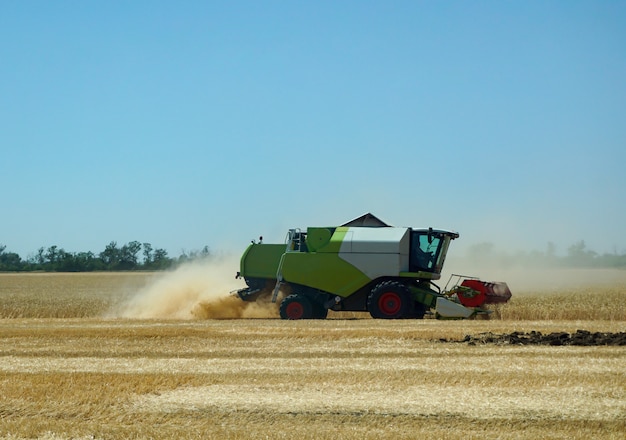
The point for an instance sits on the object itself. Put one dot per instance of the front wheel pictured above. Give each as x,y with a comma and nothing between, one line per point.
296,307
390,300
418,312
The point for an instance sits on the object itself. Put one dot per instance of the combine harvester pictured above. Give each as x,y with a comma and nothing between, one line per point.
364,265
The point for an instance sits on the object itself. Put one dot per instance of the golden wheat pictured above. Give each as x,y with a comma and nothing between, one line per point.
606,303
76,378
65,295
94,294
66,371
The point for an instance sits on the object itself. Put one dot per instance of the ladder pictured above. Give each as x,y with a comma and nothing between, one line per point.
293,245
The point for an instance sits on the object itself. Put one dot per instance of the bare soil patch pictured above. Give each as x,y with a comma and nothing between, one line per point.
582,338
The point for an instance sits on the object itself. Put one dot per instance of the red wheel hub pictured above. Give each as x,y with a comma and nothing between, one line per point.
476,297
294,310
389,303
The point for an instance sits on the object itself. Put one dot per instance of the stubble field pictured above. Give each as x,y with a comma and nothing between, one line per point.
133,356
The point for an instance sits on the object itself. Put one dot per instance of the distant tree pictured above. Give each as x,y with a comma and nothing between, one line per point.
10,261
147,254
205,252
81,262
611,260
194,254
128,256
579,255
40,259
52,256
64,261
160,260
110,256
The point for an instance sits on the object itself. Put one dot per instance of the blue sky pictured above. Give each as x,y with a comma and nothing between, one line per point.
195,123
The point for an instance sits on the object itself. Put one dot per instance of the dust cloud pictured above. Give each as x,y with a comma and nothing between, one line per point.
522,279
197,290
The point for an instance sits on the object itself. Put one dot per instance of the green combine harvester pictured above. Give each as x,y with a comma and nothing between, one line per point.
364,265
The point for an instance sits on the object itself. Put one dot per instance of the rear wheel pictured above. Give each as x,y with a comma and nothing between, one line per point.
390,300
319,311
296,307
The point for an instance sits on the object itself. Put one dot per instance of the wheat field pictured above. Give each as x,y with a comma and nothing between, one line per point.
75,364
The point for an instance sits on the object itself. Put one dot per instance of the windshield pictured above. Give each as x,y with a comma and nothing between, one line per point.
428,250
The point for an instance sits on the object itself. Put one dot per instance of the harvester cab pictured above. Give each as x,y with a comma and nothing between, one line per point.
364,265
429,249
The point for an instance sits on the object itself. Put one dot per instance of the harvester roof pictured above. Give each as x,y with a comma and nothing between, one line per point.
368,220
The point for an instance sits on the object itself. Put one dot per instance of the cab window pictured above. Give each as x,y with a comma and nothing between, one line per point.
423,251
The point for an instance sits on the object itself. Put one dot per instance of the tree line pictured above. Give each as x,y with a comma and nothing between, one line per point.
127,257
142,256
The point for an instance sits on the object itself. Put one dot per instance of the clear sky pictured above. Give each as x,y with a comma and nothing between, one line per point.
192,123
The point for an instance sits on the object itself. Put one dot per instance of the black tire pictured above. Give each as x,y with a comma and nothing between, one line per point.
319,311
390,300
418,312
296,307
